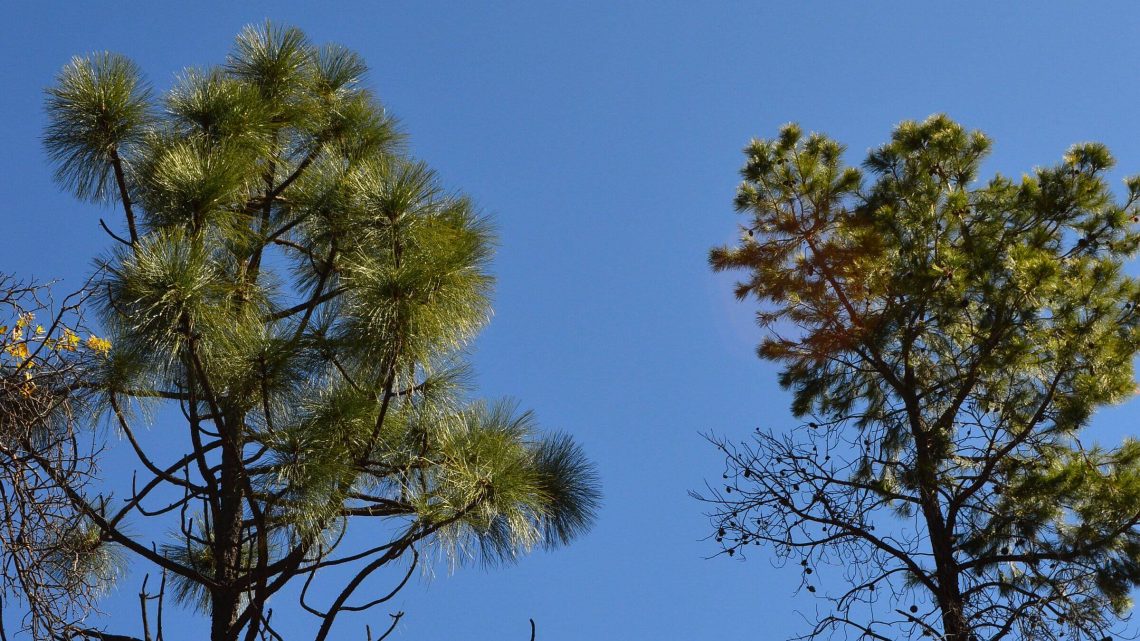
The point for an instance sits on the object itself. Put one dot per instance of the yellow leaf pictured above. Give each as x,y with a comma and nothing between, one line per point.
98,345
19,350
69,341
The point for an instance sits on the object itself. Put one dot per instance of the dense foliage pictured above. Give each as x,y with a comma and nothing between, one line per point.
299,292
946,340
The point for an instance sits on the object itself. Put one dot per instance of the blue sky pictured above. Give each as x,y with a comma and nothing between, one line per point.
604,140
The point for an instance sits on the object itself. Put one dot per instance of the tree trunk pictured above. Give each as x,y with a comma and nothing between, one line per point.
226,600
948,594
949,597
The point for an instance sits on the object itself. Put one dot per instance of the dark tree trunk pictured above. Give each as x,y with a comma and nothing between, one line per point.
226,600
948,594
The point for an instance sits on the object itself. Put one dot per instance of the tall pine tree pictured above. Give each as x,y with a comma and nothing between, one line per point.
945,341
298,292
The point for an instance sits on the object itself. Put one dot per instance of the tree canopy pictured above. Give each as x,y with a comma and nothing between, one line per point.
945,341
291,295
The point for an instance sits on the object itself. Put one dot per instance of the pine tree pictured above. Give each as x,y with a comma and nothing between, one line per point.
300,292
945,342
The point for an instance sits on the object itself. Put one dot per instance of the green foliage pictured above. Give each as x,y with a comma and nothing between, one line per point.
303,292
98,106
80,557
505,488
952,338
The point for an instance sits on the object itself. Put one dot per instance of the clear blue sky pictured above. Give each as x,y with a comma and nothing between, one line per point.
604,139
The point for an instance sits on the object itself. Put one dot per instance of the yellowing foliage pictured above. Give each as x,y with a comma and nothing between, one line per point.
100,346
